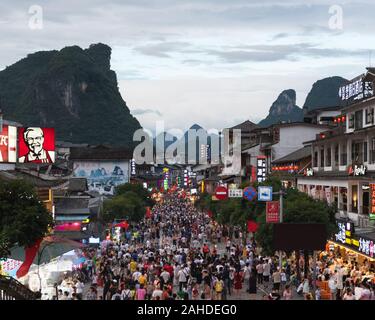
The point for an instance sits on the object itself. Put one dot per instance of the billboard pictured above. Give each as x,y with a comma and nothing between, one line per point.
8,144
36,145
102,176
299,236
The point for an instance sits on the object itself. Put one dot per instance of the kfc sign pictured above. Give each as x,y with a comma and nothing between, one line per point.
36,145
8,143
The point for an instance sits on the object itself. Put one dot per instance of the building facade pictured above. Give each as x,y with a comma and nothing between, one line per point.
343,159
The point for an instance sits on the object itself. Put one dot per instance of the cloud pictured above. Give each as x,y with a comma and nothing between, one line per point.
281,35
136,112
290,52
162,49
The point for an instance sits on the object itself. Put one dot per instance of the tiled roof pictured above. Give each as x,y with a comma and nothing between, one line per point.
295,156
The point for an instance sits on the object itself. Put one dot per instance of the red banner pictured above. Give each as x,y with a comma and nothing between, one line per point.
272,212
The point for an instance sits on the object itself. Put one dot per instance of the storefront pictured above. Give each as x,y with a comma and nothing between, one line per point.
352,246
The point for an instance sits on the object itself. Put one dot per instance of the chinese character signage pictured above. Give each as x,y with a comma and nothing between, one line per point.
272,212
372,199
133,172
8,143
261,169
36,145
358,89
166,178
235,193
347,237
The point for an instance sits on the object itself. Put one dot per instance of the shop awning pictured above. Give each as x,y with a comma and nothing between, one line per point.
71,218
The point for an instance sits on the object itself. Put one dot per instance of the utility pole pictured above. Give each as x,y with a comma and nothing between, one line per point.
280,193
314,271
281,221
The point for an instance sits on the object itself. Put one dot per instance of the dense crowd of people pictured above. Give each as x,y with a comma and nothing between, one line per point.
181,253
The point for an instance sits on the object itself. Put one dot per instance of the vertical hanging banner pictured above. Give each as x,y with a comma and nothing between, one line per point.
166,178
186,178
272,212
372,199
132,163
261,168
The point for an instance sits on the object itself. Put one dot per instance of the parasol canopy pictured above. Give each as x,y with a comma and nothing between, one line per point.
43,251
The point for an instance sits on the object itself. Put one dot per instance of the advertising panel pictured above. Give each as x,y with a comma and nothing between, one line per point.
102,176
36,145
8,144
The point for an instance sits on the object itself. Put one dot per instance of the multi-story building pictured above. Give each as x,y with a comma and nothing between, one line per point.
343,159
275,142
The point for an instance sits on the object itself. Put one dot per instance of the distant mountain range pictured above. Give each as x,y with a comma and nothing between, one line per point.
75,91
324,93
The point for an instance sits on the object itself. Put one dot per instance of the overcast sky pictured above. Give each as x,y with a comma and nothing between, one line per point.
211,62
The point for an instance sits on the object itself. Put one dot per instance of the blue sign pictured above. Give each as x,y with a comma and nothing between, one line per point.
249,193
264,193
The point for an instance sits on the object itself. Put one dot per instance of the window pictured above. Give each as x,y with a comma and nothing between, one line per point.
369,116
343,155
336,154
322,157
315,158
356,152
365,151
372,151
351,121
328,157
358,118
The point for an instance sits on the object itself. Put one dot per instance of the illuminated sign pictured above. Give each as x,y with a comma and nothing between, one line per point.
261,169
309,172
357,170
358,89
166,177
186,178
8,143
372,199
133,172
347,237
36,145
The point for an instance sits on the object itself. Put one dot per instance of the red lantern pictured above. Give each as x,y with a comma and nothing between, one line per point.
343,119
339,120
252,226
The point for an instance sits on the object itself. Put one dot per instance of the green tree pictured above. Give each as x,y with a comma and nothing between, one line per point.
23,217
130,202
298,208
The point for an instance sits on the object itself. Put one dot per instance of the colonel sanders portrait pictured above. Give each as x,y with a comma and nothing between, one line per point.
34,140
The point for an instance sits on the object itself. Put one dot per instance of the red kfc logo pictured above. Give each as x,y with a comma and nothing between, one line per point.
36,145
